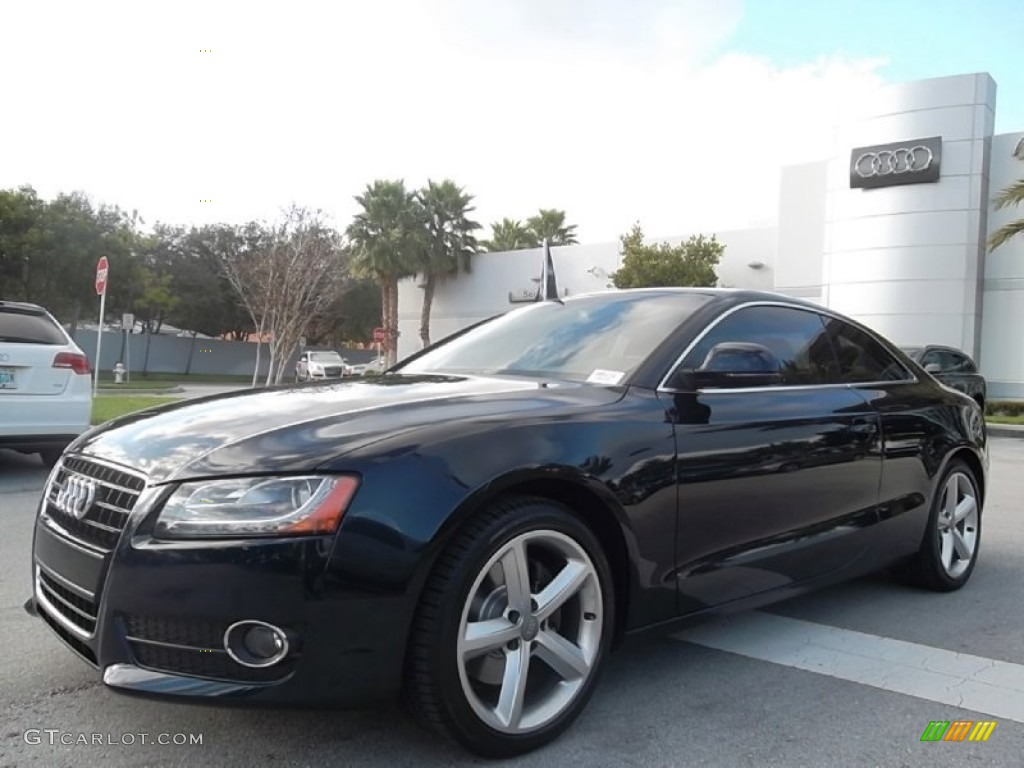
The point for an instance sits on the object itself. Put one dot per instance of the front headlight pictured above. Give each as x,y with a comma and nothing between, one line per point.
257,506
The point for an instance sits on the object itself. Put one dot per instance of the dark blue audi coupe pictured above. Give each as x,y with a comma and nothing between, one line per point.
476,529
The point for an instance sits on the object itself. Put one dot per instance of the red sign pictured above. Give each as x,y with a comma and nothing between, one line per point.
379,335
101,275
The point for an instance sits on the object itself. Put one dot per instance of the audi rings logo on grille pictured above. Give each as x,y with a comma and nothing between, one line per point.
76,496
905,162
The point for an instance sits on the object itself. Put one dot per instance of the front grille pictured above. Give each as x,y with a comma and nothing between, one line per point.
76,645
201,634
102,522
72,607
196,648
332,371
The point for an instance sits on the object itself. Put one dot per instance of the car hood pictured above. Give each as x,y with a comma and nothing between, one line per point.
299,428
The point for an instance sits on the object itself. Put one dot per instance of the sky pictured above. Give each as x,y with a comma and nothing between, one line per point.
674,113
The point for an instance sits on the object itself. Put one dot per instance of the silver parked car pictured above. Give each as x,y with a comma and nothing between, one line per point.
321,365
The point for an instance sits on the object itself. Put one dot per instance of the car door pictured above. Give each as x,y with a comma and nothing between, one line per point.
302,367
777,473
910,433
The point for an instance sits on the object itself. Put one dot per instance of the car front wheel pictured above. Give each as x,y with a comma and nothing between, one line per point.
512,629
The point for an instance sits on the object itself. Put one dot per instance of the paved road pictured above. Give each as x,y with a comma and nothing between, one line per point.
665,702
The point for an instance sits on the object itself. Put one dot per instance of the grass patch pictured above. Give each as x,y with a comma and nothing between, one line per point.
109,386
110,407
142,380
1004,419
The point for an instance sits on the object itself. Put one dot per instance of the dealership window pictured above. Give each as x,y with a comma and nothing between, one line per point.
795,338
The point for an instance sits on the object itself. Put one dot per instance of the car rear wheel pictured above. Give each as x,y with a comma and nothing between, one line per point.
949,550
512,629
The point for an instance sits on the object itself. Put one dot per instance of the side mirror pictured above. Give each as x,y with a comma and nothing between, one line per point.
933,368
733,364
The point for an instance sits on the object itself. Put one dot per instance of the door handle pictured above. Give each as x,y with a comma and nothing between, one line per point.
864,427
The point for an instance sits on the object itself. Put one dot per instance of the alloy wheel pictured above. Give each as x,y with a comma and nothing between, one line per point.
957,523
530,631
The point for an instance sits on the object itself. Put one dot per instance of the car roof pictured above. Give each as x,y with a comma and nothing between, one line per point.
727,296
22,306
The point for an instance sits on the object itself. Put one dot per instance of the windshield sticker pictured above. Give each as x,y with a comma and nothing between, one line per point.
601,376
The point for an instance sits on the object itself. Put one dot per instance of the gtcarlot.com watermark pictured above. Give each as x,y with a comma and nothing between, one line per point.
55,736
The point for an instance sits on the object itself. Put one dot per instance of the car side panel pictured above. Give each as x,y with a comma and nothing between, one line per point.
416,495
922,425
776,487
971,384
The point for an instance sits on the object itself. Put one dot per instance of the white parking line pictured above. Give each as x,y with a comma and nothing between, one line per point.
988,686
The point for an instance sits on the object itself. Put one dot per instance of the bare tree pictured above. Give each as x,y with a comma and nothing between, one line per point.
286,283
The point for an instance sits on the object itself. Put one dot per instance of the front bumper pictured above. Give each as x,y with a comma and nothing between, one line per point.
151,614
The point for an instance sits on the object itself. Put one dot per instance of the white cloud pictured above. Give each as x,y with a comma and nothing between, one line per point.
613,109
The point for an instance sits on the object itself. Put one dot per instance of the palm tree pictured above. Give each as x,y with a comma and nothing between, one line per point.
1013,195
386,237
550,224
449,243
510,235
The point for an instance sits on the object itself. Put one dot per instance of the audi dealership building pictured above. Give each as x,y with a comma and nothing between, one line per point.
890,229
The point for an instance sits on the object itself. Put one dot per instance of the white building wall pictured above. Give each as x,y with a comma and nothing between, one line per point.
908,260
801,230
1002,337
484,292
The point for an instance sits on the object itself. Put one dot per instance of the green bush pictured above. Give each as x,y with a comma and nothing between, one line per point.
1004,408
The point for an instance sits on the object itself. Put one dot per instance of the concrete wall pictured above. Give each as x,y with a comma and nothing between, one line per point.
1002,340
908,260
170,354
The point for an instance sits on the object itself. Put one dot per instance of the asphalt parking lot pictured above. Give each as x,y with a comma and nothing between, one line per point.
850,676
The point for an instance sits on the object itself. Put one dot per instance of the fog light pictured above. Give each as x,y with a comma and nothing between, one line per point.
255,643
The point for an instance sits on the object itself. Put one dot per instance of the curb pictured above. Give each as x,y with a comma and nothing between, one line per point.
1006,430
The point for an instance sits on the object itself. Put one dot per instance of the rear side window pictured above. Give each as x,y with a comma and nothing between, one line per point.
861,358
26,327
795,338
966,365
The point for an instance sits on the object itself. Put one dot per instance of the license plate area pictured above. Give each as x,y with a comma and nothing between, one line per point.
8,379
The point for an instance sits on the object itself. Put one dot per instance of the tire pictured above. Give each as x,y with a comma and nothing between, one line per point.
949,553
558,636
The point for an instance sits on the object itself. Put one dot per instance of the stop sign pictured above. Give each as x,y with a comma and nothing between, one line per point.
101,275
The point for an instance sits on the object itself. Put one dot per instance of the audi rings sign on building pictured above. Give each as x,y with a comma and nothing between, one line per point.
904,162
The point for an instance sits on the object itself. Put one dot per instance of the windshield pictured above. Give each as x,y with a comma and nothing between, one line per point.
601,338
324,357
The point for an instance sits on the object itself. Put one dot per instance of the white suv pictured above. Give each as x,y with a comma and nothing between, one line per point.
321,365
45,387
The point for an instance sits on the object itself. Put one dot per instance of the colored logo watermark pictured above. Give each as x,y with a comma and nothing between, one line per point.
958,730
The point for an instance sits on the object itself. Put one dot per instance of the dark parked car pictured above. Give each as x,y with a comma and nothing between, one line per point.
479,526
953,368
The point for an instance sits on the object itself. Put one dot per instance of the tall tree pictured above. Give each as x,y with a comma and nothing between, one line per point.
1012,196
449,243
510,235
21,217
550,223
288,282
386,238
652,265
